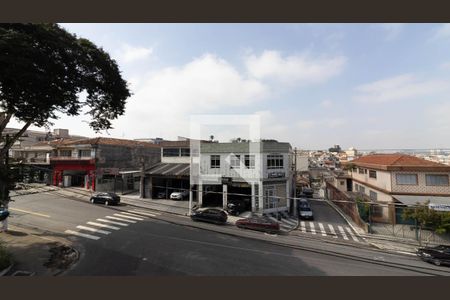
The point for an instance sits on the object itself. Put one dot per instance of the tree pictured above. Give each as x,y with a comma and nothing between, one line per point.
436,221
46,70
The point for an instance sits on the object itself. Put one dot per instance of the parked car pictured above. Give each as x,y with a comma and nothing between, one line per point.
180,195
308,192
236,207
212,215
161,195
105,198
439,255
305,212
259,223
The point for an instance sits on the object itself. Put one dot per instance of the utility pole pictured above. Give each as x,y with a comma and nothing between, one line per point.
142,183
5,187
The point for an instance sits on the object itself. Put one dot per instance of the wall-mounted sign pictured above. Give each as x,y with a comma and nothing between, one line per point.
439,207
276,175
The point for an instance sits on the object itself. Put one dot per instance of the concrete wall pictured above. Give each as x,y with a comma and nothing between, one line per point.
421,186
383,180
126,158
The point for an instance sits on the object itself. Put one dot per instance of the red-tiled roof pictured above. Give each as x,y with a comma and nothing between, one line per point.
397,161
113,142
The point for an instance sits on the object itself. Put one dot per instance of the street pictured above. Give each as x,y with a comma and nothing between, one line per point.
126,240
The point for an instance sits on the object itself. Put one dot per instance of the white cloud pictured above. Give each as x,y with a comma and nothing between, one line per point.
396,88
330,123
129,54
392,30
326,104
162,101
299,69
442,32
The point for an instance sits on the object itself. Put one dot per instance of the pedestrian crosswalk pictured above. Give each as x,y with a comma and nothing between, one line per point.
98,228
328,230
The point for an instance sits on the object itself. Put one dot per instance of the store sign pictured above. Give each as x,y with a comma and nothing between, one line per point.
276,175
439,207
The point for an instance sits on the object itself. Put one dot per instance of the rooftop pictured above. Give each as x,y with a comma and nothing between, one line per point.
112,142
398,161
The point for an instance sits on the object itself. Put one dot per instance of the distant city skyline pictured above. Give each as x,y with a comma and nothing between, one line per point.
370,86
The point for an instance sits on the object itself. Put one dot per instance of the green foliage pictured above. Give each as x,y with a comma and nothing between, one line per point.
437,221
45,69
363,208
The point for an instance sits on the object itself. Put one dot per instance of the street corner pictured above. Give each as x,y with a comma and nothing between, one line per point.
32,253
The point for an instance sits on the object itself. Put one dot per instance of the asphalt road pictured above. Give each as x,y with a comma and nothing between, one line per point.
151,244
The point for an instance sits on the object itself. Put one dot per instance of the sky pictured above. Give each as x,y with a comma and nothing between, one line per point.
368,86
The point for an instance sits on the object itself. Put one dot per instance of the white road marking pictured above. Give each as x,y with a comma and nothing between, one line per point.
144,213
103,225
313,228
322,229
130,214
351,234
343,232
290,222
120,219
93,229
89,236
112,222
303,226
29,212
129,217
332,230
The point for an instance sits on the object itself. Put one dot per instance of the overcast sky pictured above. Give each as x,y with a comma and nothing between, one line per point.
313,85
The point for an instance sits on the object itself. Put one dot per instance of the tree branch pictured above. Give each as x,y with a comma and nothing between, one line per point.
5,120
12,140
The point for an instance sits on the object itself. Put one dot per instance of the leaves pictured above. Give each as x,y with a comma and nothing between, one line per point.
45,69
437,221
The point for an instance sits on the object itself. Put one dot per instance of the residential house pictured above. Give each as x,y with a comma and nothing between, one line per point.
398,178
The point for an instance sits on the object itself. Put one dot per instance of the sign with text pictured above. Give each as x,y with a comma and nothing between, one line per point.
439,207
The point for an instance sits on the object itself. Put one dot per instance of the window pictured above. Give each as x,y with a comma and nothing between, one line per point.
65,153
84,153
342,182
373,196
215,161
437,180
362,189
170,152
250,161
357,187
360,170
274,161
270,201
410,179
185,151
235,161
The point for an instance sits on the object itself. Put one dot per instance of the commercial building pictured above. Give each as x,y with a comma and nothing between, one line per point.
259,174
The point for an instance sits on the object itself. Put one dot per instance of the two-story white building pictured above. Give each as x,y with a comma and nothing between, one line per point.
260,174
399,178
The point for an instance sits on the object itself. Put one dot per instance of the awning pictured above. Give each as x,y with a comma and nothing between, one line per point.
412,200
169,169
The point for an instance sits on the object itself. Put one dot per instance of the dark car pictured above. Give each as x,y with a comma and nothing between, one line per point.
439,255
304,210
259,223
308,192
236,208
105,198
212,215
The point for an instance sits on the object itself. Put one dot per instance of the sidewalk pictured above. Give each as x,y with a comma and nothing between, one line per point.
37,253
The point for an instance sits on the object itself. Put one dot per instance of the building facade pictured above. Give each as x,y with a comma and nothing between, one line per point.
259,174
